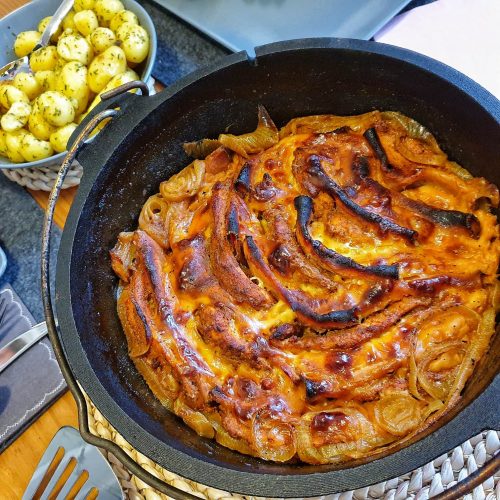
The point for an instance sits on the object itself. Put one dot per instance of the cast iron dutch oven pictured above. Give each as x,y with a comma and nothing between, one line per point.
143,146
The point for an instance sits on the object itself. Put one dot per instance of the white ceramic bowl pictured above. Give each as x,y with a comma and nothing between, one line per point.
26,18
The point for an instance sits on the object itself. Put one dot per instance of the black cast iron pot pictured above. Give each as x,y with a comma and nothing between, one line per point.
143,146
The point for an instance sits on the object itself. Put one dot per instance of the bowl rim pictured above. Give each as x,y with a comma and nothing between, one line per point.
132,5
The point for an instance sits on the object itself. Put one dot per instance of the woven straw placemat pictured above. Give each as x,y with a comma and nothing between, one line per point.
43,178
421,484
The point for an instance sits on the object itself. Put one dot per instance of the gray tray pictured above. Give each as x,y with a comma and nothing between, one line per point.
245,24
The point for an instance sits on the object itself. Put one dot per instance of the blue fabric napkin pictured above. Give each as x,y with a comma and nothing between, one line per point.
33,381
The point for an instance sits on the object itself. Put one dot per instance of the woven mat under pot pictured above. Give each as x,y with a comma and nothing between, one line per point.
424,482
43,178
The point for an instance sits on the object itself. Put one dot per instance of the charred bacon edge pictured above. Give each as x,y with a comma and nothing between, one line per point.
152,257
331,319
225,266
333,259
439,216
349,338
324,182
334,387
285,236
144,320
444,218
372,137
242,184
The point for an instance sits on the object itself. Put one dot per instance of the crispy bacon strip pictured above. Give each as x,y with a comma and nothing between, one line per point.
330,258
299,302
322,181
439,216
224,264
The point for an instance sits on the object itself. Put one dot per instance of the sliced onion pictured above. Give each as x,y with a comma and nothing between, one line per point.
272,438
419,145
443,320
155,219
458,170
354,437
432,407
398,413
263,137
201,149
328,123
180,222
122,256
223,438
196,420
412,377
477,348
438,382
184,184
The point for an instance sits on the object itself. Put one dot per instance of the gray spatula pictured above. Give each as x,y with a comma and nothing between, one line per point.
70,468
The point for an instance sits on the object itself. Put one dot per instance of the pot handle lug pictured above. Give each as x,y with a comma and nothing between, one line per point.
112,99
84,131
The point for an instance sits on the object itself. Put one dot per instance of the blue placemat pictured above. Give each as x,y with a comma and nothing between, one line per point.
21,221
33,381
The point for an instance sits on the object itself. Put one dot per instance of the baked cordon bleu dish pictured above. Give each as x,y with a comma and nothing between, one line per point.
319,293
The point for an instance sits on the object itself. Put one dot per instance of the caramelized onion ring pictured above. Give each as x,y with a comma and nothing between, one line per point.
272,438
438,367
398,413
184,184
263,137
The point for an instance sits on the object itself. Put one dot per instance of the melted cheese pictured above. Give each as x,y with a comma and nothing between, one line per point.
280,344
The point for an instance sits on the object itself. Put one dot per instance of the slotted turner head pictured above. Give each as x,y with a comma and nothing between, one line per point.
70,468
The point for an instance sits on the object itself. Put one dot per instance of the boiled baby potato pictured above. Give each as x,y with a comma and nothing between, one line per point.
125,16
13,142
44,59
57,109
128,76
16,117
27,83
72,46
59,138
86,22
105,66
25,42
80,5
38,125
101,39
3,144
43,24
46,79
106,10
68,22
134,42
72,82
9,94
33,149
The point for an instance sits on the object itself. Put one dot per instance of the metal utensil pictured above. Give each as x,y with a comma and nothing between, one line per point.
72,468
22,64
21,343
